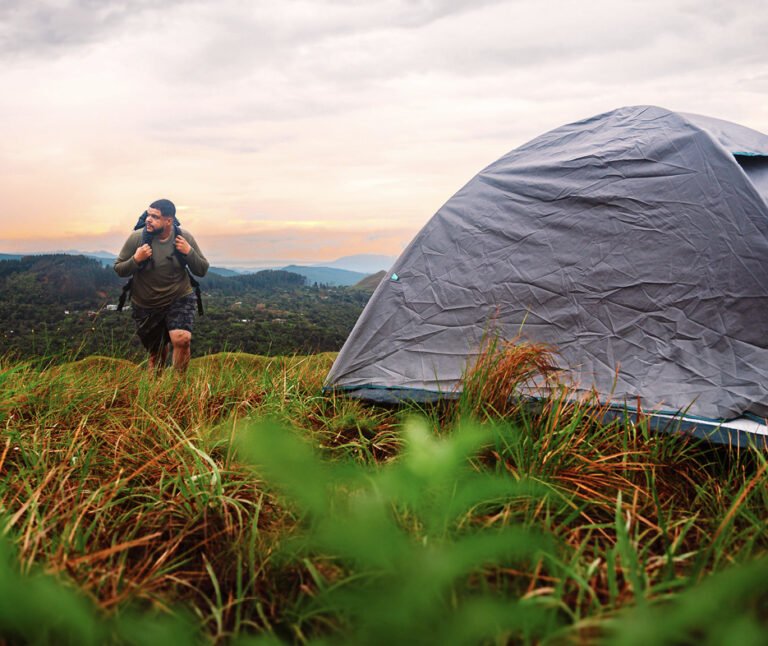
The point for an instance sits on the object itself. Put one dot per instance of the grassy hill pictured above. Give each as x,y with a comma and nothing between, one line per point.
240,500
370,283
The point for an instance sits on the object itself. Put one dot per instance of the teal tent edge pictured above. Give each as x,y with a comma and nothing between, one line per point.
748,430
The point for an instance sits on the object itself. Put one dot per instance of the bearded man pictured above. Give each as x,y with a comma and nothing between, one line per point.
157,256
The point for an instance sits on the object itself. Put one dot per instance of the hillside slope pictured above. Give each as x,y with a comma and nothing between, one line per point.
245,501
63,306
370,283
326,275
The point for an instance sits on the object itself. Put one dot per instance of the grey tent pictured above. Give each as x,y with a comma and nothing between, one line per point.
634,242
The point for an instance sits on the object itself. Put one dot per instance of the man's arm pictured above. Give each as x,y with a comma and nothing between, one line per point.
196,261
126,265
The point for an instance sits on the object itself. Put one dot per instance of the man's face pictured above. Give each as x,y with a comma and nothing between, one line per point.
156,221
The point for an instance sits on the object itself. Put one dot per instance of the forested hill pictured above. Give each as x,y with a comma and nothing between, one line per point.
82,281
76,281
267,279
63,305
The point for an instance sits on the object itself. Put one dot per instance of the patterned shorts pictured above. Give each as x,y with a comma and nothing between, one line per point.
152,325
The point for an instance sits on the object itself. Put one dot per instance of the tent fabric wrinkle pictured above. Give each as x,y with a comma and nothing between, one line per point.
634,243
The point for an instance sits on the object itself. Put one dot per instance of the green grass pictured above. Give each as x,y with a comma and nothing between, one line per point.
238,502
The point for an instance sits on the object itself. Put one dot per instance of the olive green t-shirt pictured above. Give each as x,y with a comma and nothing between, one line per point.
163,279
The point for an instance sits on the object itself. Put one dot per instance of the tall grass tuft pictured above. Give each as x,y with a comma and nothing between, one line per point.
640,515
504,373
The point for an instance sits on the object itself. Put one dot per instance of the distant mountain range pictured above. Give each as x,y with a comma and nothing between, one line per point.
365,263
326,275
223,271
347,270
104,257
344,271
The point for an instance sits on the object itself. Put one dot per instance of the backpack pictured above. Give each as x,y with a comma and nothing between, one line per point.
146,238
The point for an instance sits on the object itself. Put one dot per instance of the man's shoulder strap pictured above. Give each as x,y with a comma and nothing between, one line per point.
124,294
182,258
177,230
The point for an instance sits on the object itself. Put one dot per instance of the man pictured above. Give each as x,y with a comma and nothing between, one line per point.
162,299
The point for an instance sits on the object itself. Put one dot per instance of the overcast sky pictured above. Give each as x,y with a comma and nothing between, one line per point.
310,130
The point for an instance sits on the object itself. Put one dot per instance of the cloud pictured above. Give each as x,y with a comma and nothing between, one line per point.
49,27
197,42
308,245
237,62
336,111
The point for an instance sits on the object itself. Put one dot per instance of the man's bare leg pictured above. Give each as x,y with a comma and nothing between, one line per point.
182,344
157,359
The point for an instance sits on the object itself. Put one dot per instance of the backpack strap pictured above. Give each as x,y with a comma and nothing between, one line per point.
196,287
124,295
183,260
145,238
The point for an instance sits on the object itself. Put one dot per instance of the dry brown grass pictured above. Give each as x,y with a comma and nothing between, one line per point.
638,514
129,484
504,373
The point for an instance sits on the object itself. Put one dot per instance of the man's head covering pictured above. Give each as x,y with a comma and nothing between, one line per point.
166,207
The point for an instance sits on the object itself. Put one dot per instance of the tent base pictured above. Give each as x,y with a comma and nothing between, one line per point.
739,432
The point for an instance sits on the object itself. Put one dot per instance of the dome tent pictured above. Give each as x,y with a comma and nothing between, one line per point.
635,242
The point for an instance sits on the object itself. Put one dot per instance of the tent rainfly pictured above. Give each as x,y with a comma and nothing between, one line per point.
634,242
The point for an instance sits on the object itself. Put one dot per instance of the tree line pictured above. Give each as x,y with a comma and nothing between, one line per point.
62,307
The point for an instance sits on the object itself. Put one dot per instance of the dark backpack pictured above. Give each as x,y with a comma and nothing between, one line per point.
146,238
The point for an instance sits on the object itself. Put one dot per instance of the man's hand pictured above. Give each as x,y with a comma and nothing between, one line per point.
144,252
182,245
